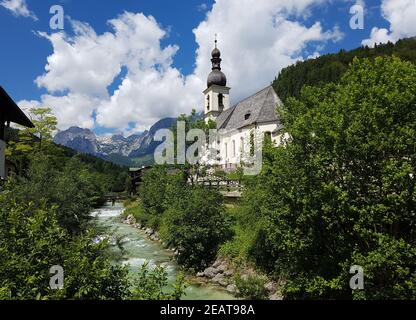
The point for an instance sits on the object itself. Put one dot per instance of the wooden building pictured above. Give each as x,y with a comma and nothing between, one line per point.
136,176
9,113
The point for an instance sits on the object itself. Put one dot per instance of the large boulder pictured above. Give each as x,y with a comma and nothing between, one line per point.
232,288
222,267
154,237
130,219
220,279
270,287
217,263
276,296
210,272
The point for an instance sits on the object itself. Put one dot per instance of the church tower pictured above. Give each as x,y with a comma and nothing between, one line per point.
217,93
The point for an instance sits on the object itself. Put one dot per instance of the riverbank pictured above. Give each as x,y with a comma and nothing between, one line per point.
238,279
138,249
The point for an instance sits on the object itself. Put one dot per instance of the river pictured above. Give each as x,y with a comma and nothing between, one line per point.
139,250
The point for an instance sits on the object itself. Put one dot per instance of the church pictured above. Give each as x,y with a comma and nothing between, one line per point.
256,115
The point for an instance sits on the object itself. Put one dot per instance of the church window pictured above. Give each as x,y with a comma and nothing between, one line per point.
268,137
226,150
252,144
233,148
208,103
221,100
247,115
242,145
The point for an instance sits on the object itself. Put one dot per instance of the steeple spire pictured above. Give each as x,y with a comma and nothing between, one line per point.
216,54
216,76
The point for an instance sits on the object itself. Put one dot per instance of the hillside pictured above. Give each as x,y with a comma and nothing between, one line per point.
330,68
113,175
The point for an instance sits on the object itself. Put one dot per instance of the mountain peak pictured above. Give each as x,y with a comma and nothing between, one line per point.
117,148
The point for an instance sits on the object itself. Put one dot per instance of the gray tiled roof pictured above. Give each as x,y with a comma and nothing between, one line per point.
223,118
261,106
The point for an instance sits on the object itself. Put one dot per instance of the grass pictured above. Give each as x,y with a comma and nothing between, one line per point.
134,207
238,248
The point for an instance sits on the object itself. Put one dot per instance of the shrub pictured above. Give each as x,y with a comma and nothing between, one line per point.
149,220
152,190
196,224
31,242
342,192
238,248
153,285
251,287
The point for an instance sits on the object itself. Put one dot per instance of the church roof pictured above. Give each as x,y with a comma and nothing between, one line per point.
258,108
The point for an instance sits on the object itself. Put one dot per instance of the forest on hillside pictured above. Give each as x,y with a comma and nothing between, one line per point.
330,68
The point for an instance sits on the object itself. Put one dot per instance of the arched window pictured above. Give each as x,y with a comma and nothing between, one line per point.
242,145
208,103
267,137
221,100
226,150
233,148
252,144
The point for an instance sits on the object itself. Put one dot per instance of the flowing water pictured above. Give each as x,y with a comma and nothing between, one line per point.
139,250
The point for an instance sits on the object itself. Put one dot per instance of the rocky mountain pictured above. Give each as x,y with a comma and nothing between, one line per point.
117,148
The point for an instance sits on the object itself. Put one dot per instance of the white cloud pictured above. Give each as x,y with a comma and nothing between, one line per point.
19,8
401,15
256,38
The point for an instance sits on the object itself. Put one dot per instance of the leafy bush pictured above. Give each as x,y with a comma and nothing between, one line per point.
149,220
130,202
153,285
244,228
71,187
31,242
342,192
152,191
251,287
195,223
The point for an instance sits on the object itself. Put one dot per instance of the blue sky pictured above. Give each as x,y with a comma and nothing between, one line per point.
188,25
26,53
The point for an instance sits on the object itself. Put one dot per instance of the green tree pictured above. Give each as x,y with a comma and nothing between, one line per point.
31,242
195,223
19,150
330,68
154,285
152,193
45,124
196,170
342,192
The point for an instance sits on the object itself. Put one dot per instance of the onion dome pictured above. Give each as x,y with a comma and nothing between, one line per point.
216,76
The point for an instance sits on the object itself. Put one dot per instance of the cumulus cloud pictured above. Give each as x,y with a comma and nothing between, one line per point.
400,14
256,38
18,8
